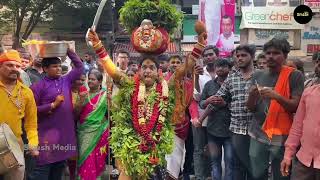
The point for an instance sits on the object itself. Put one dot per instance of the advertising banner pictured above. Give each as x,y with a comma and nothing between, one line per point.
268,18
311,36
219,17
313,4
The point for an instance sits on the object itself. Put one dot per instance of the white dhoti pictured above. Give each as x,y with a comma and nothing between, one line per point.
175,160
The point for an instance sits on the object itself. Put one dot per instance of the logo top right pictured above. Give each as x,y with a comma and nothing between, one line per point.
302,14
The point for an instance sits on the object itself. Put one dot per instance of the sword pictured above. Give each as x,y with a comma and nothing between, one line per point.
96,20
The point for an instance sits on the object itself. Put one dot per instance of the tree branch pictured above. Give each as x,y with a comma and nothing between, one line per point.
35,18
33,25
28,25
21,13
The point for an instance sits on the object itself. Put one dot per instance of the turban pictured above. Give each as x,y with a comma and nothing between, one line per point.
10,55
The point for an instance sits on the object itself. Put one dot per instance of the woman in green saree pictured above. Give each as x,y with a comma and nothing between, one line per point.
93,129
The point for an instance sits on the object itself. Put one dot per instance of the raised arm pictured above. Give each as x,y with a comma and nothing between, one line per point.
191,60
105,59
196,53
177,79
76,72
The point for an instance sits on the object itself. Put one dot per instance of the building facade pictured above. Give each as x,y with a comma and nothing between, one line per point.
304,39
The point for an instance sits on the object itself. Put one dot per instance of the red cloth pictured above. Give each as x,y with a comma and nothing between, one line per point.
83,89
182,129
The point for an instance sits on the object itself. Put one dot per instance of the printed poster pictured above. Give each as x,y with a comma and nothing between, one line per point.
313,4
219,17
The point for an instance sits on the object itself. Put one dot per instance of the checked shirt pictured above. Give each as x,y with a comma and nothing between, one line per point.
235,91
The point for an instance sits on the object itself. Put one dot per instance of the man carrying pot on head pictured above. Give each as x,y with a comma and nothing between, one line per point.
17,103
57,138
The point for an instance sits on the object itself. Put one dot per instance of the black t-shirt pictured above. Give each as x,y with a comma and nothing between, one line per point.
266,79
218,121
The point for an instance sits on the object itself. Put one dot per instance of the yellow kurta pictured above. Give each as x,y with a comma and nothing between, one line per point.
10,114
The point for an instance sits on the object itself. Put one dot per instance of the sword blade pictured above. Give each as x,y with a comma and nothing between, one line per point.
96,20
98,14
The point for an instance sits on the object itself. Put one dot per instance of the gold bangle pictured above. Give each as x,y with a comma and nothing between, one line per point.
100,45
97,46
201,45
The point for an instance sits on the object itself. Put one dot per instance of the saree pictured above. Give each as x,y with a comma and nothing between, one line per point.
93,133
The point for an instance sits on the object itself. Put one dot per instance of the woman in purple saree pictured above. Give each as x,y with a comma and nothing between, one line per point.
93,130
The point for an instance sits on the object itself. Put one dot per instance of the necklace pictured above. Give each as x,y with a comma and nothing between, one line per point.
94,105
18,101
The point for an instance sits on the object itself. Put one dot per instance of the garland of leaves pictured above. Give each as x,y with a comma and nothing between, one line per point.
125,141
161,12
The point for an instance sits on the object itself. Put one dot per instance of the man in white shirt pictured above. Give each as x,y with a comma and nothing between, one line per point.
210,55
201,165
211,11
226,38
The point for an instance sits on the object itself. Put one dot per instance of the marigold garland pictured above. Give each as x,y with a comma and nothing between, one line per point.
126,140
143,124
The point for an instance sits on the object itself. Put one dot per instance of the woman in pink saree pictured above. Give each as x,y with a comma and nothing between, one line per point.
93,130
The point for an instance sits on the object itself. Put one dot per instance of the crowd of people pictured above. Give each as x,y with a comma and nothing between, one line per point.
245,117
